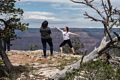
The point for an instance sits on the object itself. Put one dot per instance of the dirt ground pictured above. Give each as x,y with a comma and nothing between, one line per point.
42,67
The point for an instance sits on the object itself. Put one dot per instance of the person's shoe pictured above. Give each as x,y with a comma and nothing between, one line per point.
51,54
43,56
74,53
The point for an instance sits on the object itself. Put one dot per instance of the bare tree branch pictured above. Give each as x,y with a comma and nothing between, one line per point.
108,16
88,3
117,35
91,17
81,2
104,7
110,7
111,26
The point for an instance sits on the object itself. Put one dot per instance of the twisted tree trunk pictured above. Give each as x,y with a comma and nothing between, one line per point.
3,54
4,57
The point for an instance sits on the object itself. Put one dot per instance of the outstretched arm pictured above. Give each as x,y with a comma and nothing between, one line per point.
59,29
74,34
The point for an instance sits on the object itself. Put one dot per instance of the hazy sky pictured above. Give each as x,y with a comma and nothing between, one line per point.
58,12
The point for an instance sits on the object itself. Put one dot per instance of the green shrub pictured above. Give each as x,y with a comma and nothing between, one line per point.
97,70
33,47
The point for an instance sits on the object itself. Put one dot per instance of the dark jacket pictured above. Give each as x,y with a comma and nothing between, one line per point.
45,33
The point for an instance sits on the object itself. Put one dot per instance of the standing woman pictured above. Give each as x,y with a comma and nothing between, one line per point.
46,38
66,39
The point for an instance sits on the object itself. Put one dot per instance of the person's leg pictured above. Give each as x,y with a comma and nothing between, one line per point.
61,50
61,45
44,46
51,46
73,50
70,44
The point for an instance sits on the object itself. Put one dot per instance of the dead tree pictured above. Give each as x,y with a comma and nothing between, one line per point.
109,17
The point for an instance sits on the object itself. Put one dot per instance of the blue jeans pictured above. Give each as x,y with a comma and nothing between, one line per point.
44,43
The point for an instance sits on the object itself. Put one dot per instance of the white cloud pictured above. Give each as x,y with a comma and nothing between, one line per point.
39,15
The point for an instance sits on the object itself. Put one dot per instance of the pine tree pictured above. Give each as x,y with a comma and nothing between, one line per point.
10,20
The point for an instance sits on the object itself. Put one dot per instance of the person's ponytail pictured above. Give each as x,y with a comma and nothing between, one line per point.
67,28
